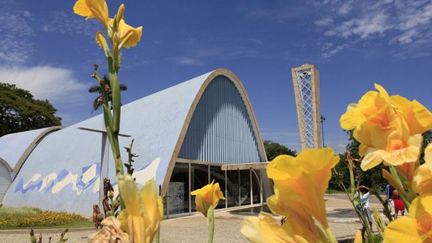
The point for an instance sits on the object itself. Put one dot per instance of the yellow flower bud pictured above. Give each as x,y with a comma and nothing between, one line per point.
101,41
208,196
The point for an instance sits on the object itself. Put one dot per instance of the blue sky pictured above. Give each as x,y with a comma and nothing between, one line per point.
47,49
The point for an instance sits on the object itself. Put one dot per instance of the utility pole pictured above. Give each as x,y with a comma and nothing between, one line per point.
322,120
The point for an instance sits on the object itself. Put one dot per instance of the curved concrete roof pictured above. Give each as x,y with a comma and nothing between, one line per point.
13,146
66,164
6,165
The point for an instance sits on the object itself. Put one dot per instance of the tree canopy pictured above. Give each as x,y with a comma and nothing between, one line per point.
20,111
370,178
274,149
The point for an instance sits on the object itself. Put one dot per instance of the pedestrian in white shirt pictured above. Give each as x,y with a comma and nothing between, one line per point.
364,204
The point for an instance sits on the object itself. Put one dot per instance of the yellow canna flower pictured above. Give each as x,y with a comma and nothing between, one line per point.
93,9
358,237
397,153
388,127
300,222
265,228
418,117
208,196
428,153
129,36
373,119
300,182
143,209
417,227
422,181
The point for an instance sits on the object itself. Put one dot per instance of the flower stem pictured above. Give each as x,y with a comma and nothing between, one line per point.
158,235
403,195
330,236
211,224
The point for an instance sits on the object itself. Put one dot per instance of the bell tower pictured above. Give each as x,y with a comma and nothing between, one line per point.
307,97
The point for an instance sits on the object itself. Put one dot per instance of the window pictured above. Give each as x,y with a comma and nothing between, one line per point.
199,178
178,190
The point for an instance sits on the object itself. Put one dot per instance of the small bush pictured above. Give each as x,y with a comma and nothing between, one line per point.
19,211
33,217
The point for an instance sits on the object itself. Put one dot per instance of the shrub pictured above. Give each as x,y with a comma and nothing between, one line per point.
34,217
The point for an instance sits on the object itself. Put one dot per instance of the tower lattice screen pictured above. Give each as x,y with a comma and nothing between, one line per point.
306,87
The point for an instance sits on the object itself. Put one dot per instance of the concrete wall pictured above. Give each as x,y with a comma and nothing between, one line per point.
5,178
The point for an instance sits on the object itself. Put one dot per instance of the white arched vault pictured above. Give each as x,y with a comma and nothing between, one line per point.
70,159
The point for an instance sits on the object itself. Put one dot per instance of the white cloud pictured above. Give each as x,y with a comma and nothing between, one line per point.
14,29
363,27
333,49
19,26
71,24
407,24
345,8
324,21
58,85
415,25
187,61
280,15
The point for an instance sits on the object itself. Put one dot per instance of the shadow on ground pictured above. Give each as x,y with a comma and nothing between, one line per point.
342,213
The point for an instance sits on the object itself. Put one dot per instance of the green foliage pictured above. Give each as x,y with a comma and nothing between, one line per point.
33,217
371,178
19,211
427,139
103,84
19,111
340,173
274,149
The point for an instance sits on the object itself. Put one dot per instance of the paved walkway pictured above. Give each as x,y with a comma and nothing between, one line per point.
341,216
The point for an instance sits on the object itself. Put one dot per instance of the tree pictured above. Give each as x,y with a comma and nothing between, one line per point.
274,149
19,111
427,139
369,178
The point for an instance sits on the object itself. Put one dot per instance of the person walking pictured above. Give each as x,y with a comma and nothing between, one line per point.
365,209
389,194
399,205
